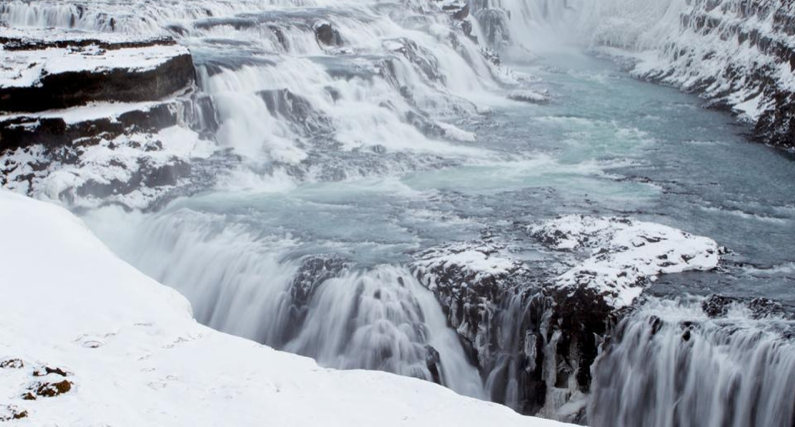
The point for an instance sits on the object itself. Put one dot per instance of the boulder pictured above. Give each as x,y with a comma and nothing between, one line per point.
327,35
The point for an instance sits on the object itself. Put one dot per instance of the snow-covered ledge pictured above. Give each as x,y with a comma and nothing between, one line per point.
85,339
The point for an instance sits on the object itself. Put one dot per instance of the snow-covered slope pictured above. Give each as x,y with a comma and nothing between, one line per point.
117,348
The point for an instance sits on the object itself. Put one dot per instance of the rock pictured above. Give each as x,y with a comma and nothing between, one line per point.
86,120
739,59
47,389
296,110
776,126
54,131
46,370
469,279
535,333
529,96
11,412
133,169
327,35
716,306
458,10
491,56
12,364
434,362
425,62
45,71
314,270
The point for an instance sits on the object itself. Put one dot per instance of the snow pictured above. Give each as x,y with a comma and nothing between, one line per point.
474,261
624,254
134,355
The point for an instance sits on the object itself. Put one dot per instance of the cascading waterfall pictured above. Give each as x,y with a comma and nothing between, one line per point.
671,365
261,287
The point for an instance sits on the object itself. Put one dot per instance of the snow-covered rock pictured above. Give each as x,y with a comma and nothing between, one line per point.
133,170
624,254
131,353
534,330
91,118
50,69
469,279
529,96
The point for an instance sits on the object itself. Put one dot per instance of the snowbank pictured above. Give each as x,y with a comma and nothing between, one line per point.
131,353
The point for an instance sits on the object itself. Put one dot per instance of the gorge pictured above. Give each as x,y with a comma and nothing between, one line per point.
579,209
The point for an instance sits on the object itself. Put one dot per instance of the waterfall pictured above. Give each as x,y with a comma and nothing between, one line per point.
672,365
268,289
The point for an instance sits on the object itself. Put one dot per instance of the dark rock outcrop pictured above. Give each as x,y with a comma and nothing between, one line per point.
776,126
81,87
12,364
716,306
24,131
77,70
327,35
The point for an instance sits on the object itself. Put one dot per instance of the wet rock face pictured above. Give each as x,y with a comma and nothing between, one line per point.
717,306
658,358
327,35
313,272
776,126
457,9
420,57
532,344
470,281
298,111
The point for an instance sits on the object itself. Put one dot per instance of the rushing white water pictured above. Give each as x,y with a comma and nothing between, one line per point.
260,287
674,366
